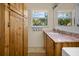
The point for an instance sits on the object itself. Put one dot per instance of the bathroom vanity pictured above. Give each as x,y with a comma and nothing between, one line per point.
55,41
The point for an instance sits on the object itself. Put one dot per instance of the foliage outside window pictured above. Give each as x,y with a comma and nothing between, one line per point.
64,18
39,18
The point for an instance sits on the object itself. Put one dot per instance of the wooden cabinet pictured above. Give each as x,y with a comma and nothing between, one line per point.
17,7
16,34
48,45
54,48
59,46
2,29
13,30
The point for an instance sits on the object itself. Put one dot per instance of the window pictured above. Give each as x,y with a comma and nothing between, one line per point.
64,18
39,18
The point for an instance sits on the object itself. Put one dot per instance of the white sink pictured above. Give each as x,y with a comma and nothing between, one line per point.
70,51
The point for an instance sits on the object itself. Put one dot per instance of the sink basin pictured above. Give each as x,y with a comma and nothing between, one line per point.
70,51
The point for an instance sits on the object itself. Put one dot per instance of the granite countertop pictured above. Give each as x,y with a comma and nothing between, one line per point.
58,37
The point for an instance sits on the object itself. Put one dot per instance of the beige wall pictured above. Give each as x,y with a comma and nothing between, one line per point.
36,37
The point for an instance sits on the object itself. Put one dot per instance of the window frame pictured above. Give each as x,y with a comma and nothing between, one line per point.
65,12
39,11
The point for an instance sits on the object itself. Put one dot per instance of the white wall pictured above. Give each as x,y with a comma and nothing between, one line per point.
35,38
77,14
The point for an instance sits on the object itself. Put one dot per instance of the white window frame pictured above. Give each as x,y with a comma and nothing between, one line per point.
39,11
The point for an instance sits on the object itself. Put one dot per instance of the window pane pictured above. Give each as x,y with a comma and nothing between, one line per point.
64,18
39,18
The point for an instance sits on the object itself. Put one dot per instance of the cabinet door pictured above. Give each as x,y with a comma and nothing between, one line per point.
51,44
18,7
16,34
13,30
50,47
47,46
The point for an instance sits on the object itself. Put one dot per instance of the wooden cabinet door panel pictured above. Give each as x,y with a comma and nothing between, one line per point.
13,30
12,34
2,29
18,7
50,46
16,34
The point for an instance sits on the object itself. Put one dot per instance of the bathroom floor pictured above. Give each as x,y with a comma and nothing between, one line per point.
36,52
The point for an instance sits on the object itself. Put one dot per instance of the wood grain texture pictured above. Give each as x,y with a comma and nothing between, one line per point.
58,49
12,34
6,30
16,38
17,7
2,29
21,31
13,30
49,46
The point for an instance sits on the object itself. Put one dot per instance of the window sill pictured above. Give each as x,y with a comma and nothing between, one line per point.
38,28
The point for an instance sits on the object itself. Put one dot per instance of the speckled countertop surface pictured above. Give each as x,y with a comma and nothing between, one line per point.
58,37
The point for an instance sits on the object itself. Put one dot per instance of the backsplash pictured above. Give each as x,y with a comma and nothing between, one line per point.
72,29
